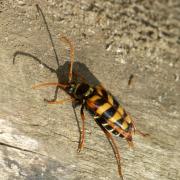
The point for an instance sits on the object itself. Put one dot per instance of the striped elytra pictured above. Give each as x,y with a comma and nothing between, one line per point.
105,108
109,112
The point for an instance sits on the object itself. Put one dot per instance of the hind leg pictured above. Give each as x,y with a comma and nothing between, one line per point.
82,137
114,147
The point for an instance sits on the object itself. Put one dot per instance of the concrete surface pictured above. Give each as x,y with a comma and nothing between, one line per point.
113,40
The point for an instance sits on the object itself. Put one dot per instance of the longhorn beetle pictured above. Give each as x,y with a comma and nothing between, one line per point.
105,109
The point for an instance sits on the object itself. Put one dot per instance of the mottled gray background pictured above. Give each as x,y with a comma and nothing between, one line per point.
113,40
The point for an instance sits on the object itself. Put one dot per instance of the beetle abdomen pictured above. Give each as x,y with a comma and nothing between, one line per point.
108,112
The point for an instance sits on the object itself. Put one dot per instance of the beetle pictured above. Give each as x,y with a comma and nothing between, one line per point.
105,109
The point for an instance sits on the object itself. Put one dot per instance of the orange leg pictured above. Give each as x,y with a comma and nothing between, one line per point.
57,85
55,96
69,42
114,147
81,143
58,102
50,84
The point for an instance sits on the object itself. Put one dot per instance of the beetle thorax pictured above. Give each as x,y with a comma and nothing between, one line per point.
81,90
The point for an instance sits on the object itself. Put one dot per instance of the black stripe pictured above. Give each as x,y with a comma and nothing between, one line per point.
105,94
108,127
115,132
120,121
109,113
100,102
101,120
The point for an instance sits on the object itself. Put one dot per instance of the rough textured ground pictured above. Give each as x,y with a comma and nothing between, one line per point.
113,40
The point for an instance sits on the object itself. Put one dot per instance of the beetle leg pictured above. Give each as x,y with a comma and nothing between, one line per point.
71,45
81,143
55,96
138,131
61,85
142,133
58,102
53,101
114,147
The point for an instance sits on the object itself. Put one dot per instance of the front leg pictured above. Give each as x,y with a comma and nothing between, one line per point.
55,96
58,85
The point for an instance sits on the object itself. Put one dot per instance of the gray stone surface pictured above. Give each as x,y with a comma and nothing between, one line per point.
113,40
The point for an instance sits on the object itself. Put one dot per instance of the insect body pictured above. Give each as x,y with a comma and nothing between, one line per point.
108,114
105,109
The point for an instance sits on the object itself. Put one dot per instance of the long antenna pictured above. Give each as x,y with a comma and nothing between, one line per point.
45,22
